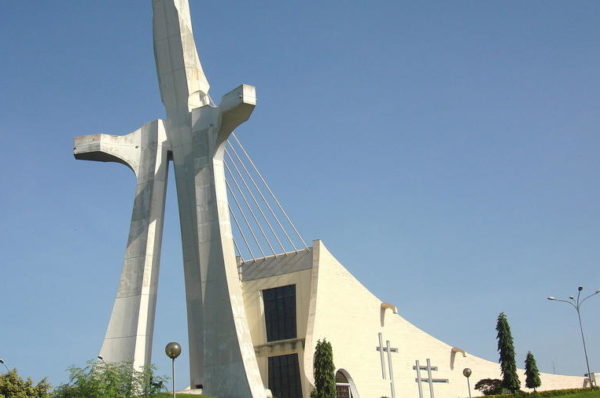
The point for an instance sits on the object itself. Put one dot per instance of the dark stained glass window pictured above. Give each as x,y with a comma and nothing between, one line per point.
342,387
341,378
280,312
342,391
284,376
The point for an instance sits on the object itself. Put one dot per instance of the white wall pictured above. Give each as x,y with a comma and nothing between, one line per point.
350,317
332,304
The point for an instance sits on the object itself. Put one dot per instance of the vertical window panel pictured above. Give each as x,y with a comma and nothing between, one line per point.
280,312
284,376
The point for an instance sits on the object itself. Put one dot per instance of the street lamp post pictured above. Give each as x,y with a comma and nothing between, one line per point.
577,305
2,362
173,350
467,373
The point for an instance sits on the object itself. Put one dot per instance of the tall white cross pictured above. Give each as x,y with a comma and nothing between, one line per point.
429,379
389,350
193,137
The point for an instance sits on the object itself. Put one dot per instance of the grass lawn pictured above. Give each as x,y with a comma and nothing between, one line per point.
584,394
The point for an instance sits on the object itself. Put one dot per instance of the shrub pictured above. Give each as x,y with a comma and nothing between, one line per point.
110,380
13,386
532,374
554,393
489,386
323,369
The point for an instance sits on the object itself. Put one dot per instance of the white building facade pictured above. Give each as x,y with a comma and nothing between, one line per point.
375,350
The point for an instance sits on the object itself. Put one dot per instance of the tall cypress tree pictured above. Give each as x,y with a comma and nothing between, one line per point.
323,369
532,374
508,366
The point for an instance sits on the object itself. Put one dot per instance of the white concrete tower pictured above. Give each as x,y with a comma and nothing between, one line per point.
222,357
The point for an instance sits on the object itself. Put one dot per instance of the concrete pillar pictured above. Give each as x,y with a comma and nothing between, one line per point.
222,356
129,333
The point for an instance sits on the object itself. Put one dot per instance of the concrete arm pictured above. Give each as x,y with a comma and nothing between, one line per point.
236,107
124,149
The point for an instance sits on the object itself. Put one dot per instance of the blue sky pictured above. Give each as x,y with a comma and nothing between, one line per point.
446,153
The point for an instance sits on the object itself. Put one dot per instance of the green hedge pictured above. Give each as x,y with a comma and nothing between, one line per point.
170,395
576,392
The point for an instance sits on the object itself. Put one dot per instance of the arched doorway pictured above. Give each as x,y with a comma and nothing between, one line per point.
344,385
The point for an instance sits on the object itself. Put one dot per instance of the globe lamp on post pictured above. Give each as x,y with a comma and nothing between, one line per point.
467,373
173,350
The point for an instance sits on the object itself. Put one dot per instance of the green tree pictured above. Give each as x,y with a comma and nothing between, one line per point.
532,374
110,380
489,386
13,386
508,366
323,369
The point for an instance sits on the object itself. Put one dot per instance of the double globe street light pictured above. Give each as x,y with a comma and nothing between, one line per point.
577,305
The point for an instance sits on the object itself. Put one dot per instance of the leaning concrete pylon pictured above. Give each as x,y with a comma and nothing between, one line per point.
129,333
222,357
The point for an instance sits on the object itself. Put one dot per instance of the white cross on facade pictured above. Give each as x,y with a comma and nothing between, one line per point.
387,349
429,379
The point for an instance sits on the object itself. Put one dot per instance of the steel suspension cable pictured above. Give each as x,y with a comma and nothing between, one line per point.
250,209
269,189
237,224
234,151
245,219
249,190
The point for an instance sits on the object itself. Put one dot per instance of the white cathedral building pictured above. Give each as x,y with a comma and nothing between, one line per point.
295,299
253,323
